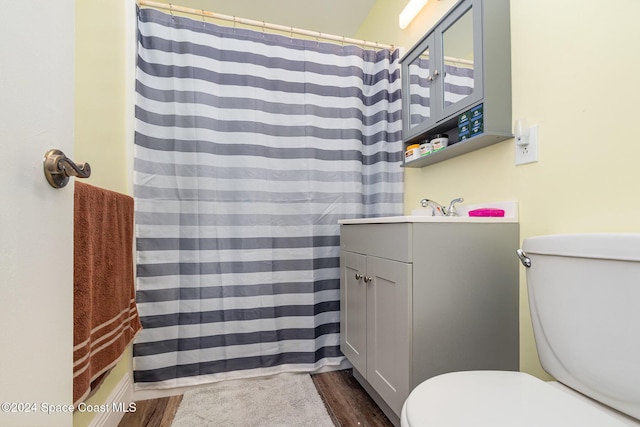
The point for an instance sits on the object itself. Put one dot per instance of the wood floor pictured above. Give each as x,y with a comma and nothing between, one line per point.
152,413
346,401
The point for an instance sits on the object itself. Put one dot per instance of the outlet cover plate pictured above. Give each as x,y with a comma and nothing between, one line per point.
528,153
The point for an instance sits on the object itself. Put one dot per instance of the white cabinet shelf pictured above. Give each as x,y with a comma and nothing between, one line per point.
458,149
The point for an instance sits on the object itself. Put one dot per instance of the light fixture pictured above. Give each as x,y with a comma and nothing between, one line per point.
410,11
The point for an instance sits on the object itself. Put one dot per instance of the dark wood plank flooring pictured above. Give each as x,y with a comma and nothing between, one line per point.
346,401
152,413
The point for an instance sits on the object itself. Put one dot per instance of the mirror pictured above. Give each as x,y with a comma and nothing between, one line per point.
420,89
457,47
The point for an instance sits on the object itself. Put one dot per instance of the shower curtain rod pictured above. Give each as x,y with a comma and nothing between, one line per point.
262,24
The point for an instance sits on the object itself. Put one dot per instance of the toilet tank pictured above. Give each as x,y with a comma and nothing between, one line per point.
584,295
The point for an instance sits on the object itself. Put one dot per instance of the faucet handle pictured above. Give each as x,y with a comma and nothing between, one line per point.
452,209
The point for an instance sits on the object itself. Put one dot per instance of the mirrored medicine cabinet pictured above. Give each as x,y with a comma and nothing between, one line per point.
462,66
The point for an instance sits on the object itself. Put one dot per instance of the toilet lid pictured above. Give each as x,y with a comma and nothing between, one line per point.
499,399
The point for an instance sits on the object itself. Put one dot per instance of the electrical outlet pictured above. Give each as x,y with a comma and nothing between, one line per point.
528,153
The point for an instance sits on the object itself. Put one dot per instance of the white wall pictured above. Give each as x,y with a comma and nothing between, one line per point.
36,248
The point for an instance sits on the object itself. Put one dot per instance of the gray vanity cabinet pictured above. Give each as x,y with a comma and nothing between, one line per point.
419,299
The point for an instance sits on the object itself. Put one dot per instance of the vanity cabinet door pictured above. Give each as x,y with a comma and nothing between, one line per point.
353,309
389,329
375,322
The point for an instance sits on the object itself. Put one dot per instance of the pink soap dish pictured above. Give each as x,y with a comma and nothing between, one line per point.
487,212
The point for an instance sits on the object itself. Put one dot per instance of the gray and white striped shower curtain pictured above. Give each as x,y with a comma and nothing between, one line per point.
249,148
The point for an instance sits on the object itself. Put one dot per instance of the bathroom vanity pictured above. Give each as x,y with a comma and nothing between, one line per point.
422,296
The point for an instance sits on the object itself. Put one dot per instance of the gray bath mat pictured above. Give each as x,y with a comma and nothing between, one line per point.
279,401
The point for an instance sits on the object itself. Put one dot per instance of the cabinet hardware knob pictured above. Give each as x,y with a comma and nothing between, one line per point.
436,73
368,279
358,276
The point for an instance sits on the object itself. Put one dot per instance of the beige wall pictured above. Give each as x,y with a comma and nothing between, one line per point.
100,98
102,119
573,76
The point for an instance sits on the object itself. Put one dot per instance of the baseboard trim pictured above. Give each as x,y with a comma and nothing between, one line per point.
111,417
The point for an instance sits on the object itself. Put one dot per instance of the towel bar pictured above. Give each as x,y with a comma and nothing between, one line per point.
58,168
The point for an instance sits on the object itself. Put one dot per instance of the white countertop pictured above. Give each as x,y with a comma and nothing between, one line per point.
418,218
421,215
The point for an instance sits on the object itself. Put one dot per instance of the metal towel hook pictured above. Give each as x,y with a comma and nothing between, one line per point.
58,168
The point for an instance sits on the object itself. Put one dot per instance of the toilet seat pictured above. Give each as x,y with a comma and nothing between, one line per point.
501,399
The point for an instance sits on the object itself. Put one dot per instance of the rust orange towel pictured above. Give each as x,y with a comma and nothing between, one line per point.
105,318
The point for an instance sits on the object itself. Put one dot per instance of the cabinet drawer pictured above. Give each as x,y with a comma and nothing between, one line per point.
391,241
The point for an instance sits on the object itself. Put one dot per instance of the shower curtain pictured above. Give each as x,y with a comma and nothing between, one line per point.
249,148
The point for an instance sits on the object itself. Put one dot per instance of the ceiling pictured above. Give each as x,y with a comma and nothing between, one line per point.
337,17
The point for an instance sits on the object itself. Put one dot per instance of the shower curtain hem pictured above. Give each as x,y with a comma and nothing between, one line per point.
236,375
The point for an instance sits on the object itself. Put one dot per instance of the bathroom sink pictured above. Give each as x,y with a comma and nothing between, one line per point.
428,211
425,215
510,209
422,218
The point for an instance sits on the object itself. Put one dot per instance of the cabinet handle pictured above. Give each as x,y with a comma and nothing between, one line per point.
358,276
436,73
368,279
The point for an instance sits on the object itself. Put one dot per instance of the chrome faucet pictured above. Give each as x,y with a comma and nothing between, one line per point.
441,211
438,209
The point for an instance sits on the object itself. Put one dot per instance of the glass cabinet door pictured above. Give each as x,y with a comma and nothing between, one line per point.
420,86
461,68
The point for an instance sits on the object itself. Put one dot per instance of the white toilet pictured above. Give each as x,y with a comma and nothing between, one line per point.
584,295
